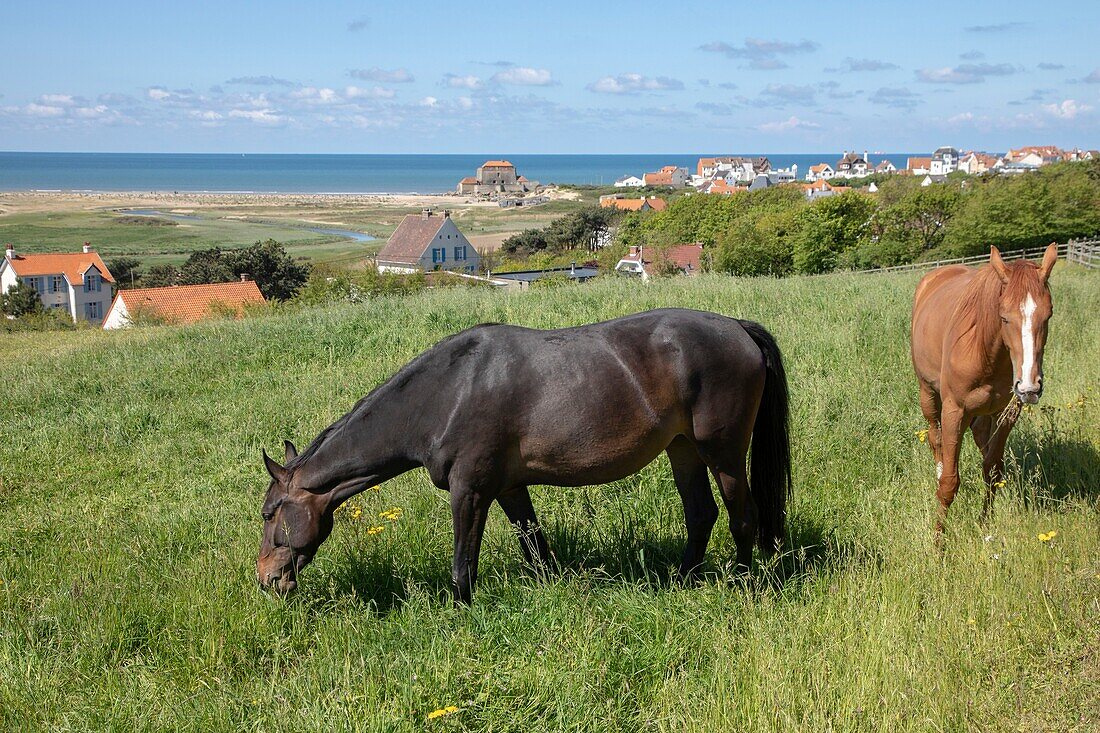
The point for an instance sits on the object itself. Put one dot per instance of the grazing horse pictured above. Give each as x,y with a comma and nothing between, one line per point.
977,341
495,409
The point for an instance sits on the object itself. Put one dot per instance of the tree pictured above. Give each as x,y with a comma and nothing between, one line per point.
207,266
525,243
20,300
161,276
829,227
277,275
124,270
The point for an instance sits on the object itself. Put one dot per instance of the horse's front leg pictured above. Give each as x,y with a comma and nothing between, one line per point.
469,508
953,422
992,437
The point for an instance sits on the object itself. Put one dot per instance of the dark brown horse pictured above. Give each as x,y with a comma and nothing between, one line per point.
977,341
495,409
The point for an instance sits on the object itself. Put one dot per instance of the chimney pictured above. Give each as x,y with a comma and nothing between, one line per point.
573,267
866,158
9,252
425,213
446,213
244,277
87,247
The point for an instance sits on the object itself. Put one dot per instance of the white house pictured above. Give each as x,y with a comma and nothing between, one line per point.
629,181
427,241
918,166
945,160
684,258
820,172
852,165
79,282
885,166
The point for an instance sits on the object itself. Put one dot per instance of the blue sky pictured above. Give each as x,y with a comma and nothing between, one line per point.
557,77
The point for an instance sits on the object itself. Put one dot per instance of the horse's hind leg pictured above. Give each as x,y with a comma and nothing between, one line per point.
700,510
516,503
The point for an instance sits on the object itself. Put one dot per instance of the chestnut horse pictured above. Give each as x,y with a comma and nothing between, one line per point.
495,409
977,344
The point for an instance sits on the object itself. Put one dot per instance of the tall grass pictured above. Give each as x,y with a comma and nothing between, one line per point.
130,486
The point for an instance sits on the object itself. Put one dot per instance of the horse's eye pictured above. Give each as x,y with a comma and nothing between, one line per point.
268,516
1004,320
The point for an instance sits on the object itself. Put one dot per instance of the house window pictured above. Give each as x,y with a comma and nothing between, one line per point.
57,284
92,283
460,253
93,311
439,254
34,283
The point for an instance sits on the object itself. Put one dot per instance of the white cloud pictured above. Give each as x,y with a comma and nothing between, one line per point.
791,123
372,93
259,116
158,94
633,84
428,102
386,76
1067,110
462,82
525,76
961,118
43,110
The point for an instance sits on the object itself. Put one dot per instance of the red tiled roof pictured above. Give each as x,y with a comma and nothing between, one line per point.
686,257
634,204
720,186
469,179
411,238
914,163
497,164
189,303
819,167
657,179
819,185
71,264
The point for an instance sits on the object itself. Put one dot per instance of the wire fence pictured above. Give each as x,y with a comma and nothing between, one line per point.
1082,252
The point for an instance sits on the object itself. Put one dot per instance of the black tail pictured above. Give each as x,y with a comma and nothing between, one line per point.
770,469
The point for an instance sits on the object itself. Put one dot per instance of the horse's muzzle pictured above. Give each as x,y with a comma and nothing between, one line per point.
1028,397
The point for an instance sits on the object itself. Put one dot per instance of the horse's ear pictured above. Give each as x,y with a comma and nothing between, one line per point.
277,472
1049,258
998,264
291,451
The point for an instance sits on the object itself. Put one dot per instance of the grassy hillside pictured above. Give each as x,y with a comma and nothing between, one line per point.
130,488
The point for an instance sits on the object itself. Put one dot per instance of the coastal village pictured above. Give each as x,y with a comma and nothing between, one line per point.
431,242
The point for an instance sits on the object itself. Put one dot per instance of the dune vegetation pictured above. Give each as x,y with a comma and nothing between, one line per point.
130,491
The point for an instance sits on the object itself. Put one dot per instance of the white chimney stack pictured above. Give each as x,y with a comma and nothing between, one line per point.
9,252
87,247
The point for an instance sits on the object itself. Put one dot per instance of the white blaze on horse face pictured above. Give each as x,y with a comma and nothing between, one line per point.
1029,378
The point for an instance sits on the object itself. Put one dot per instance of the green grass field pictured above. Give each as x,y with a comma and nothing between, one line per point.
64,229
130,489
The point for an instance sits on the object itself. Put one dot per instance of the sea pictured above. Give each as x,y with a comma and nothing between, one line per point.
336,174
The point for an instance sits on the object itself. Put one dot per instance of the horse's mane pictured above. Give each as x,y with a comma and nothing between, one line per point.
979,311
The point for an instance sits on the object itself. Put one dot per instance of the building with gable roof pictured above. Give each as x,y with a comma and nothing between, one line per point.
179,304
669,175
683,258
494,177
78,282
427,241
853,165
651,203
820,172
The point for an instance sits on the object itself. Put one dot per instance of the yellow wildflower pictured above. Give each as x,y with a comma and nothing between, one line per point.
375,530
970,622
442,711
356,513
922,435
391,514
1048,536
999,484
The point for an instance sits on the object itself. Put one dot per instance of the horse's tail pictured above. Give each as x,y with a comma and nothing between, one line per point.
770,468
